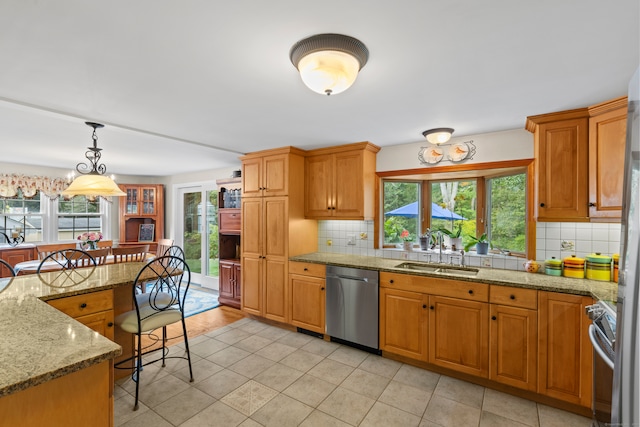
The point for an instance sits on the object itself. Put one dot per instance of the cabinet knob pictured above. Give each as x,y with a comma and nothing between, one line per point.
470,291
424,305
512,296
306,269
83,305
110,324
432,307
333,207
391,281
322,289
542,205
493,317
591,205
328,208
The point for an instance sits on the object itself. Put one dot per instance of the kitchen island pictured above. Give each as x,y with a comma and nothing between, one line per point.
53,366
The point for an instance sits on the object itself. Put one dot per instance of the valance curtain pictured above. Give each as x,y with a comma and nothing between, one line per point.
50,187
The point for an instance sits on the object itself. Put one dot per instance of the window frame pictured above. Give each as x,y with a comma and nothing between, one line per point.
479,171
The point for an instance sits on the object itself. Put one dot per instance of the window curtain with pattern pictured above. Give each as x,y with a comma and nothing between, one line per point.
50,187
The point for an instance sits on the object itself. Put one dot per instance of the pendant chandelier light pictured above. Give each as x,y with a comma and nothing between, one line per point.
329,63
92,181
438,136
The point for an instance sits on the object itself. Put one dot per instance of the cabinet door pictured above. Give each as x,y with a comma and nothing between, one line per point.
237,288
275,175
251,236
131,201
251,295
252,177
226,275
348,182
565,355
318,186
276,227
15,255
459,335
513,346
562,170
607,133
403,323
276,297
307,302
101,322
148,204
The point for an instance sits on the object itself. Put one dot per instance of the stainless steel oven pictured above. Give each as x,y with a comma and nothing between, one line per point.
602,333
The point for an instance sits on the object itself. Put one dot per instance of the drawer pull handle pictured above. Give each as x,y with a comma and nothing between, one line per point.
110,324
493,317
512,296
83,305
391,281
470,291
306,269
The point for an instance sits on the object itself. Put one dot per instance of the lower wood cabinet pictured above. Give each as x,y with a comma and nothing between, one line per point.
95,310
230,283
307,290
15,255
565,353
459,335
403,323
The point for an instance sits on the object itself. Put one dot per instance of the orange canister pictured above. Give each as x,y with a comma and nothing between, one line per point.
599,267
616,259
573,267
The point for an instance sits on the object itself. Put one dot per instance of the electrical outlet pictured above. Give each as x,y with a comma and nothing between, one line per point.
351,239
329,242
486,262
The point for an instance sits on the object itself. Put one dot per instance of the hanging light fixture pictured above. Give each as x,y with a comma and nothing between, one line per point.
92,182
329,63
438,136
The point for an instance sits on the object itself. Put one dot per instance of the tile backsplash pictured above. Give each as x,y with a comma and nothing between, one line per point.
552,239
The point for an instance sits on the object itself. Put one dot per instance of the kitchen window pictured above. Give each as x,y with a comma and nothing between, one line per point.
23,214
78,215
491,200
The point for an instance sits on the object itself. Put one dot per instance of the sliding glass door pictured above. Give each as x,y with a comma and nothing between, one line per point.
198,230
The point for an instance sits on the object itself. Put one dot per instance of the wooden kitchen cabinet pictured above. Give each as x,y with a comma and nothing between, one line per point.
561,150
95,310
340,182
565,355
273,229
513,337
607,141
143,204
229,229
307,290
230,276
403,323
16,254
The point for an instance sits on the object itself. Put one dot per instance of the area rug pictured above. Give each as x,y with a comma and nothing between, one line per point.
198,301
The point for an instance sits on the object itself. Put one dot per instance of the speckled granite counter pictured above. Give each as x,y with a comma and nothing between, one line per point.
40,343
606,291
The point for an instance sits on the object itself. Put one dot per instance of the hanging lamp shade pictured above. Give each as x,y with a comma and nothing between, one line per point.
329,63
92,181
438,136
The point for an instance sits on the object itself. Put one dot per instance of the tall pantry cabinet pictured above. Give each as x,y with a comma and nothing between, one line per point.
273,229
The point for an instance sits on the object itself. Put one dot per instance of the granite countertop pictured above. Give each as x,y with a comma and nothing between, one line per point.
40,343
605,291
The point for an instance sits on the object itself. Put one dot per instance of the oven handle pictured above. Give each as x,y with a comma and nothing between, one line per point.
596,347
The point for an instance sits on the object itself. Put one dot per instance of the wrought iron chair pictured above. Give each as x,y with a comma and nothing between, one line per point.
167,280
66,259
8,266
130,253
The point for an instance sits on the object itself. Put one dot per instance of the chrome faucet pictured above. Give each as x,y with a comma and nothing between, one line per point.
439,240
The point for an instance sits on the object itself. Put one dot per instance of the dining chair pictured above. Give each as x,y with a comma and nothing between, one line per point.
174,250
66,259
100,255
47,249
167,279
130,253
105,244
8,266
163,245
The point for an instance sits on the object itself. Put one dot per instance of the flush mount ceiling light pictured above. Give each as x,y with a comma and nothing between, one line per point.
92,182
438,136
329,63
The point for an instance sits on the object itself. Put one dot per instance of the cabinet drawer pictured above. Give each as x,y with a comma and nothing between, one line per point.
307,269
230,220
515,297
82,305
436,286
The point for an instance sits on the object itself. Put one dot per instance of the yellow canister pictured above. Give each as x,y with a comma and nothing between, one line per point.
599,267
616,259
573,267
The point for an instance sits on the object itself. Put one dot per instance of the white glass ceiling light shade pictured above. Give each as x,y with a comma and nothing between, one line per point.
92,182
438,136
329,63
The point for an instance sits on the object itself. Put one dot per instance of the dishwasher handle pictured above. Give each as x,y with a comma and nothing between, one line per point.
342,276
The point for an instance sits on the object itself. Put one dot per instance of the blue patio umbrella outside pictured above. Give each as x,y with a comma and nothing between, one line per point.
437,212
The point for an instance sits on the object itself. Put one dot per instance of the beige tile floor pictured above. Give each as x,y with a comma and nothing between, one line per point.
252,374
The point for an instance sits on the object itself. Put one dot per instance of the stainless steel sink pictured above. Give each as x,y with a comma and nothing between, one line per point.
443,269
417,266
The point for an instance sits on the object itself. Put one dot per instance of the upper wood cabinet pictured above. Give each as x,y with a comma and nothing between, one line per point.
144,204
578,162
268,174
607,140
340,182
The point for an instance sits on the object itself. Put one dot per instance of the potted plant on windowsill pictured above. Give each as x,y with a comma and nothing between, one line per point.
482,244
407,240
455,240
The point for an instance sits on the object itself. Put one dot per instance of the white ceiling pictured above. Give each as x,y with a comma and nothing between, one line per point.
188,85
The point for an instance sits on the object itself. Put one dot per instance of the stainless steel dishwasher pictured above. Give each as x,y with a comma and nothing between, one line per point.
352,306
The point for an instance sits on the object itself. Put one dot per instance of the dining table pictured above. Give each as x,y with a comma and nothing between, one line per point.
31,267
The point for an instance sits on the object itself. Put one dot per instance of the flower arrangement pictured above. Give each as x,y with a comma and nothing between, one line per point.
406,236
89,240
